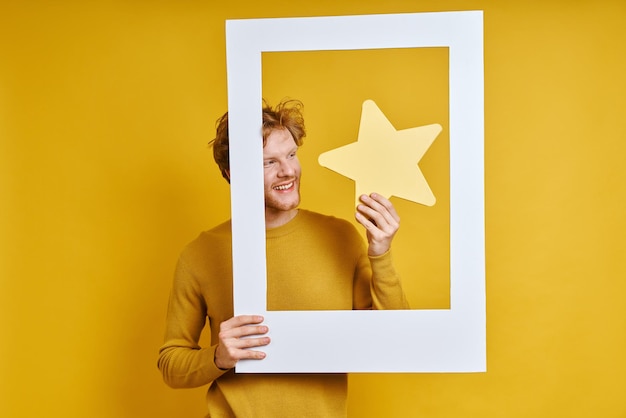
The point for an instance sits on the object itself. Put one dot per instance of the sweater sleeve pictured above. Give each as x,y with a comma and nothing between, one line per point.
385,286
183,363
377,284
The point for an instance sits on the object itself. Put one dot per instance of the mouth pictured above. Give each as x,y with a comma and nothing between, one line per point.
284,187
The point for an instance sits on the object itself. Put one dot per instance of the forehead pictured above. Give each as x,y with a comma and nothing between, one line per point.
279,140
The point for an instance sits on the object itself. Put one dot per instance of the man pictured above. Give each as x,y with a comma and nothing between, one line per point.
314,262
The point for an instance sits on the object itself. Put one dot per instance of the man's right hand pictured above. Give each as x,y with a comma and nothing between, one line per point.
232,347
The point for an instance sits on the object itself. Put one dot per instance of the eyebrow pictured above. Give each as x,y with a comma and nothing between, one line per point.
294,149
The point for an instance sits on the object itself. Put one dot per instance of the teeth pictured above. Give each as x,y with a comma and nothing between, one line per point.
284,187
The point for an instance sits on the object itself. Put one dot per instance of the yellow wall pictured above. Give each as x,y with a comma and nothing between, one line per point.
411,88
105,111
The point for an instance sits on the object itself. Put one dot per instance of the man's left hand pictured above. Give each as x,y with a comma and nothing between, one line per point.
379,217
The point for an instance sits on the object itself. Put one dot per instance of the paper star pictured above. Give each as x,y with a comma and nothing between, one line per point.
384,160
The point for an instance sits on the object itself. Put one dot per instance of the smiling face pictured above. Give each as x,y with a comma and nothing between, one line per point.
281,173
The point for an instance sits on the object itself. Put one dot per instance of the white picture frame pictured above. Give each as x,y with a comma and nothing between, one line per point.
446,340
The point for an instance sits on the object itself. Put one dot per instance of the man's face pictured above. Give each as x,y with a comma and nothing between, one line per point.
281,170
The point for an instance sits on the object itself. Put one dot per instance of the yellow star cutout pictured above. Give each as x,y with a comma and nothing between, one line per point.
384,160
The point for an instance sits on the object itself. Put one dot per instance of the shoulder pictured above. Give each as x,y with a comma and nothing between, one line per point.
222,230
216,240
329,223
320,218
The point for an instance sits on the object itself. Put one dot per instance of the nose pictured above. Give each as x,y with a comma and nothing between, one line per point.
287,169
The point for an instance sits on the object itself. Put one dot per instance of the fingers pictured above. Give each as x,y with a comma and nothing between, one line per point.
377,212
379,217
243,331
237,336
379,208
242,325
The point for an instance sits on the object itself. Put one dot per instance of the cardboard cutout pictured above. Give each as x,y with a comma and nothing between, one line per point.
384,160
363,341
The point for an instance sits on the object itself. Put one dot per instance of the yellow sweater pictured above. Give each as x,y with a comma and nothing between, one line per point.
314,262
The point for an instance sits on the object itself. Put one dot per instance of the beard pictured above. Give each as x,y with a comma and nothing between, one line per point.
283,201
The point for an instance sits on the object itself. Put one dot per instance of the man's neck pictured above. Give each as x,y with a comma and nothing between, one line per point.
274,219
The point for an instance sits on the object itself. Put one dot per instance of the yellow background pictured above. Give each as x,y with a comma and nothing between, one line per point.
105,111
411,88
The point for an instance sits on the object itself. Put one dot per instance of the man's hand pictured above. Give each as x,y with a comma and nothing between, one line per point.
232,347
380,220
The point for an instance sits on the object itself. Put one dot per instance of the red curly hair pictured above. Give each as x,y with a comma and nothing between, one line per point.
285,115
